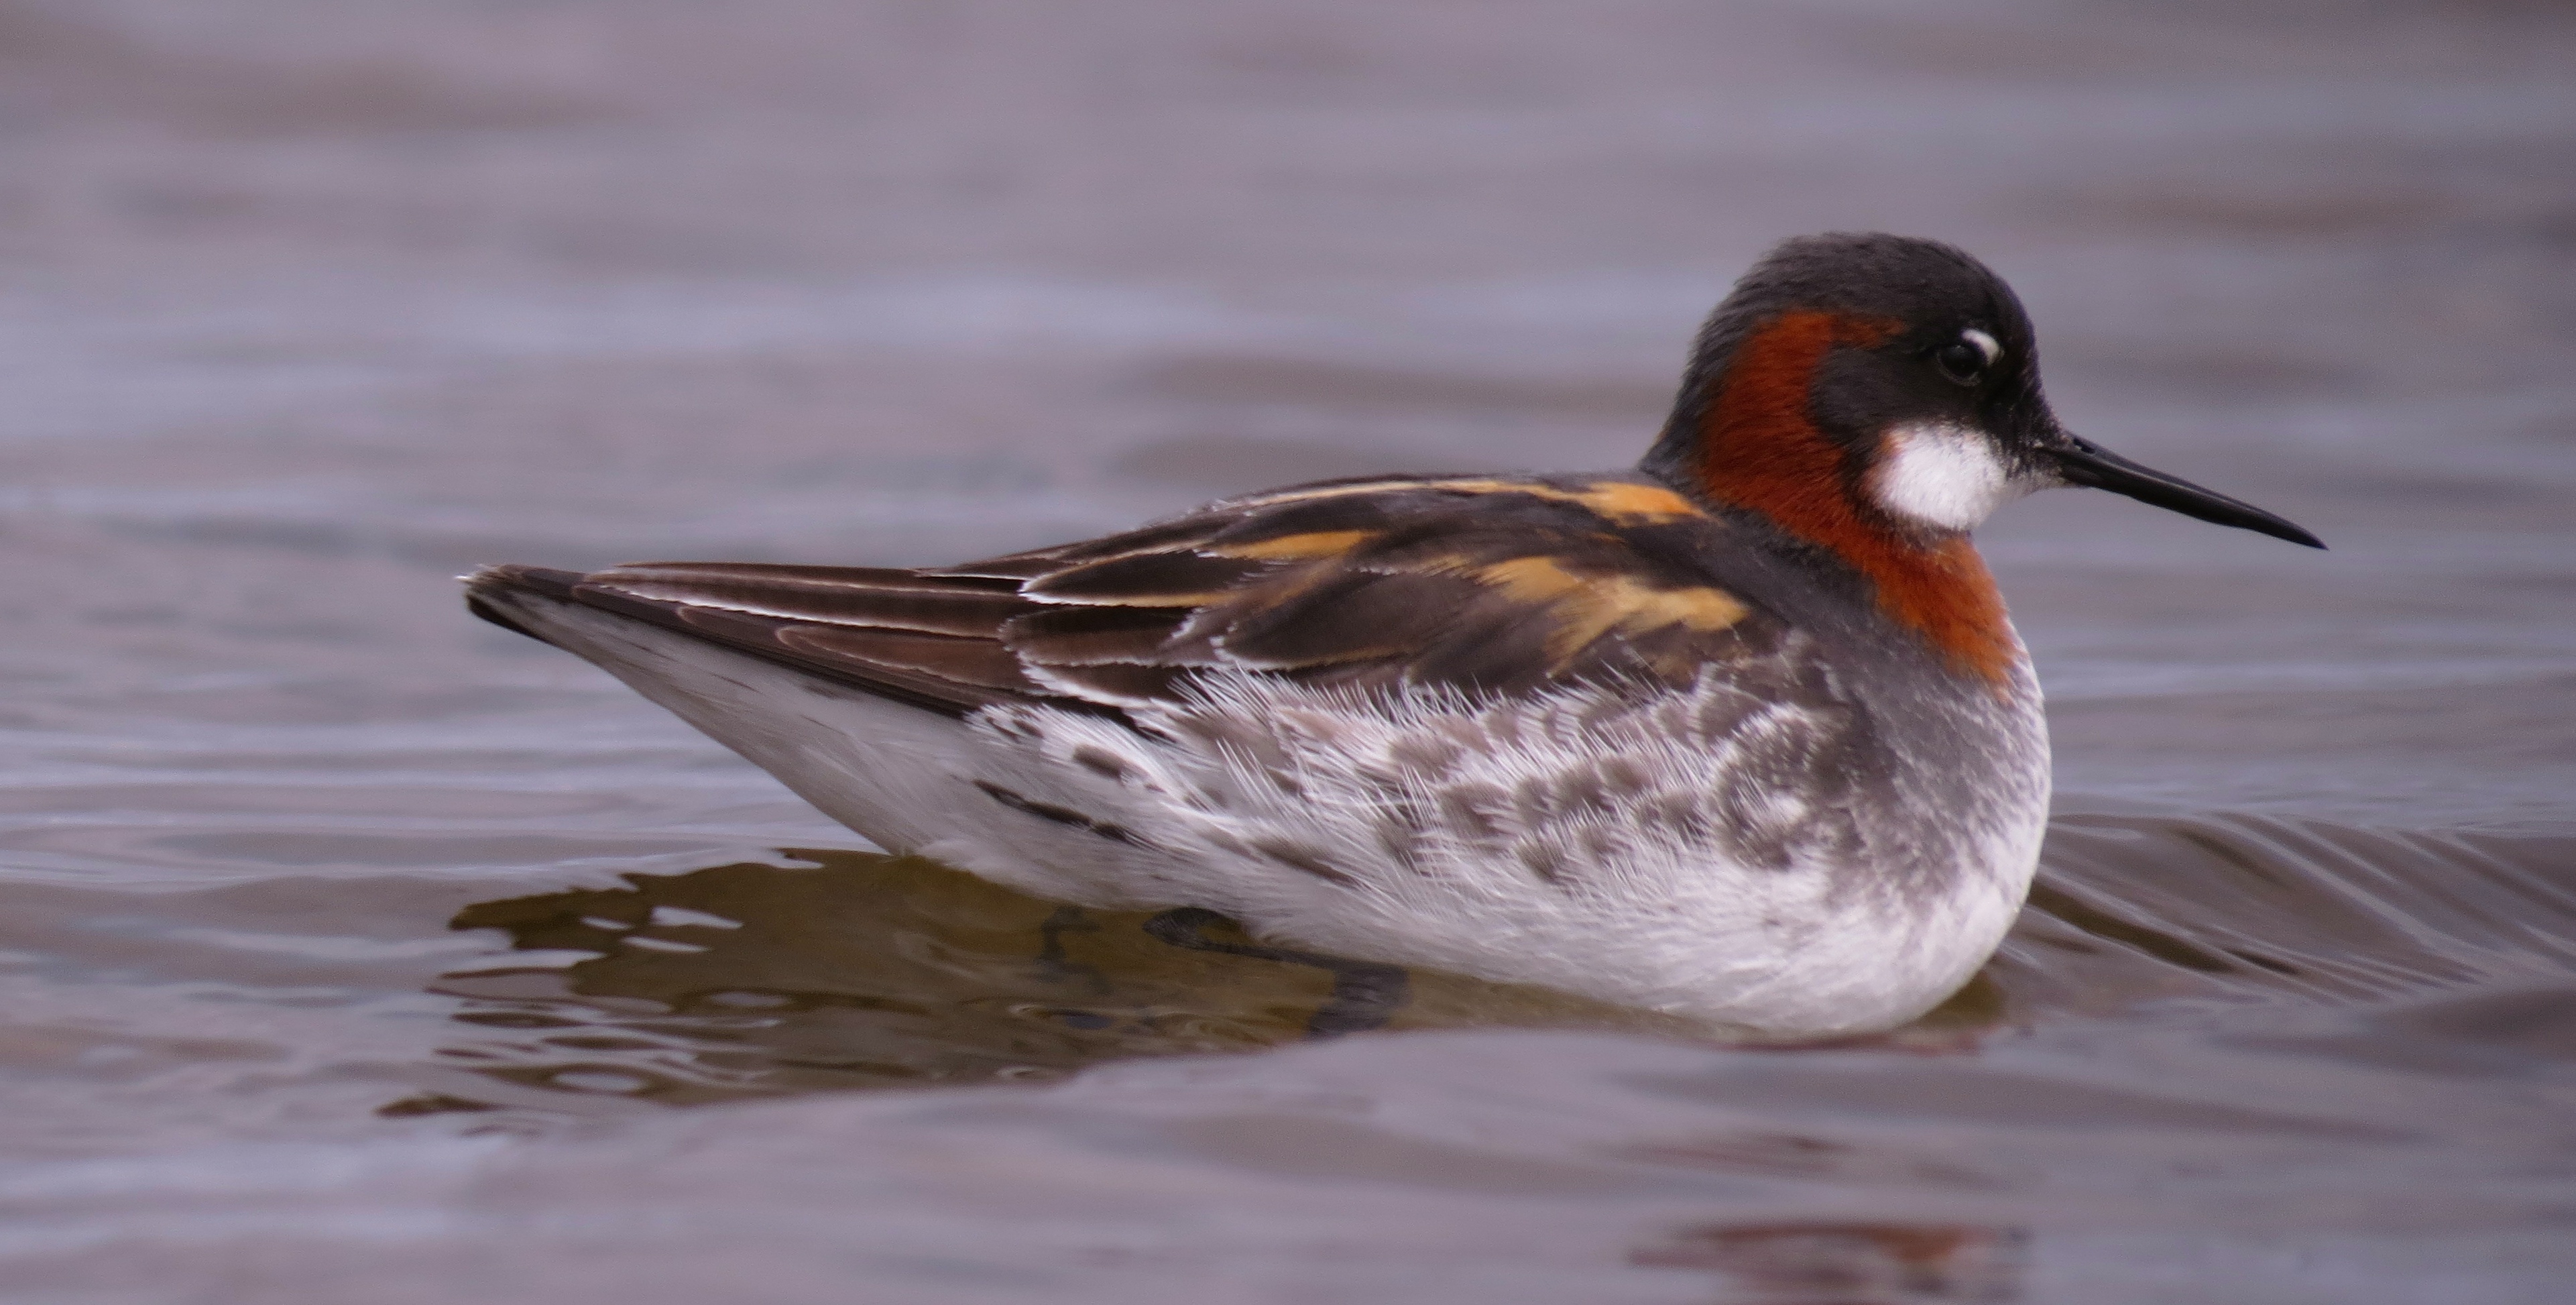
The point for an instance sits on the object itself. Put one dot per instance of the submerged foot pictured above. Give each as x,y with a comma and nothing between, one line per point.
1366,994
1054,965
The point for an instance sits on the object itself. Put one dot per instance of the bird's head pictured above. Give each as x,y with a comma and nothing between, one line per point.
1886,389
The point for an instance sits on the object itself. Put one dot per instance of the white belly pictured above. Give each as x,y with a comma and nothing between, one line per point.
1628,853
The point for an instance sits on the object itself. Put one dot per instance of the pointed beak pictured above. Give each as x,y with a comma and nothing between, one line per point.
2081,462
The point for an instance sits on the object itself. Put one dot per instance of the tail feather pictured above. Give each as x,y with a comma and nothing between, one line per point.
952,675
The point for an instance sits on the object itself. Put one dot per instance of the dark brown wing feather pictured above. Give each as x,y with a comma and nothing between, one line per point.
1486,585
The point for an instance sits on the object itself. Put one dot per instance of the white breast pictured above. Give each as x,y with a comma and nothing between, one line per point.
1693,853
1689,852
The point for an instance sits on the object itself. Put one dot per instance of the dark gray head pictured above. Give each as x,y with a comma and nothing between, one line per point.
1898,377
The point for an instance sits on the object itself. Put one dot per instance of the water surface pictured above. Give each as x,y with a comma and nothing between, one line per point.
351,949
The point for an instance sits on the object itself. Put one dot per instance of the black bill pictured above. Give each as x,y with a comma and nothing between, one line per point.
2089,465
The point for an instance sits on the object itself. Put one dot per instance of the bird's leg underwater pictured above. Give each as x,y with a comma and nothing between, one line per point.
1366,994
1053,965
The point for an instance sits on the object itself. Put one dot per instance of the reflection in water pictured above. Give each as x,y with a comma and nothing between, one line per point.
1877,1163
861,970
1366,994
1850,1263
852,969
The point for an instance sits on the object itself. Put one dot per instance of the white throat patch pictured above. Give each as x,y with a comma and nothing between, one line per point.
1942,476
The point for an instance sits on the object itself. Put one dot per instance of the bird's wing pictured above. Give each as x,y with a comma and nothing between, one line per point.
1481,584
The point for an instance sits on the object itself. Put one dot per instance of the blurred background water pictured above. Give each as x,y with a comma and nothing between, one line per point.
353,950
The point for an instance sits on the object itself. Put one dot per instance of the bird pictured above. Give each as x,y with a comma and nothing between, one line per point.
1743,734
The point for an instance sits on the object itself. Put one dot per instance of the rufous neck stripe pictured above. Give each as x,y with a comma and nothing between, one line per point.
1760,450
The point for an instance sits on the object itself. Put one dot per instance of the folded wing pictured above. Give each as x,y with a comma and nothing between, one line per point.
1483,585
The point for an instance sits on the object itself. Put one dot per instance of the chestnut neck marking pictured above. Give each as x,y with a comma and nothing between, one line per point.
1760,451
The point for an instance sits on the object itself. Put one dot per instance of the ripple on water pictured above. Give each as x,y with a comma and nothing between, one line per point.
850,969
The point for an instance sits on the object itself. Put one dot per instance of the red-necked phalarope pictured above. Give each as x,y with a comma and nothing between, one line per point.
1743,734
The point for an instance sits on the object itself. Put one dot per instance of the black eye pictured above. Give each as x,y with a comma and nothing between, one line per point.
1961,361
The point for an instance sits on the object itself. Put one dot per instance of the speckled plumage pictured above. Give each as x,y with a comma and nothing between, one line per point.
1744,735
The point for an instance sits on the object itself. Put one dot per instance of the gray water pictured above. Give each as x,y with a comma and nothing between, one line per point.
358,951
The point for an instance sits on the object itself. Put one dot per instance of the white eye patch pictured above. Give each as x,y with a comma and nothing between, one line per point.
1942,476
1983,343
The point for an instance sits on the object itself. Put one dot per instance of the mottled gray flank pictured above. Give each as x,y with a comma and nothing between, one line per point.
1781,847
